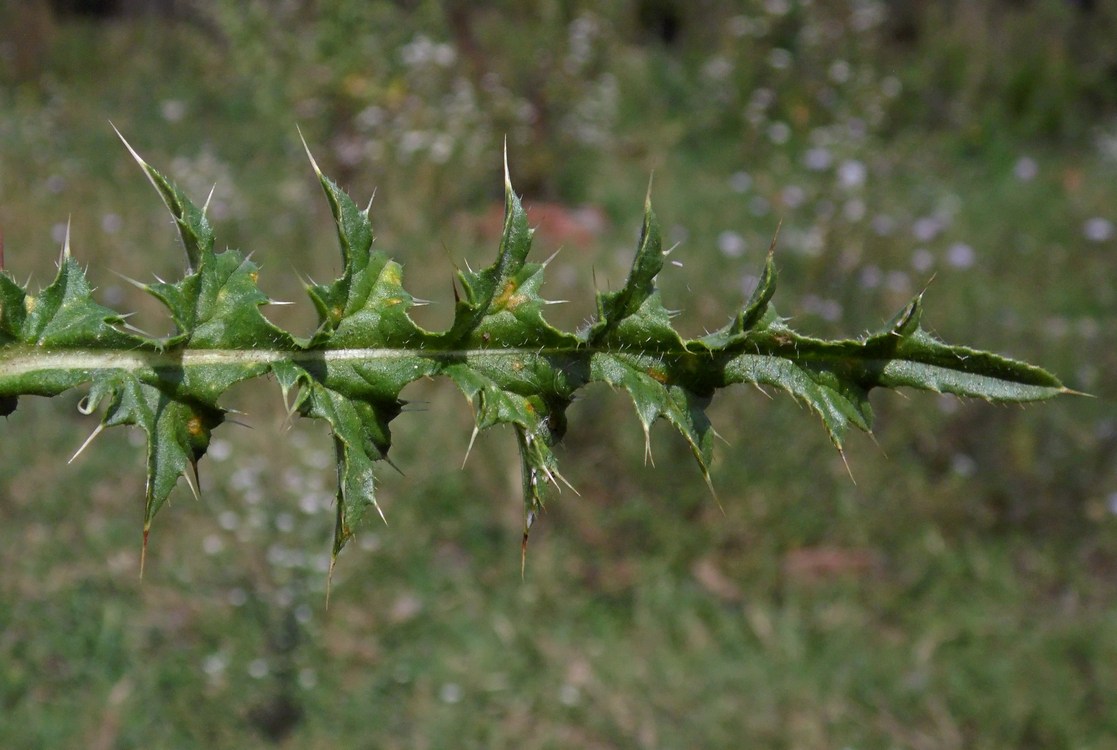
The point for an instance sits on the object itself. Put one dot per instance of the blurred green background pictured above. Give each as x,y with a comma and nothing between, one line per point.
961,593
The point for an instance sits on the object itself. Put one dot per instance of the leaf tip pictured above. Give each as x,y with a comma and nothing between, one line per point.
775,239
196,482
209,197
529,520
143,549
507,174
135,155
66,242
523,556
88,440
309,155
845,462
469,447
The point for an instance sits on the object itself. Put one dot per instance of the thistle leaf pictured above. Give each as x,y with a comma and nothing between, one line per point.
512,365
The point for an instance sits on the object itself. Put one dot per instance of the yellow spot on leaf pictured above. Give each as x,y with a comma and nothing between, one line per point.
195,427
508,298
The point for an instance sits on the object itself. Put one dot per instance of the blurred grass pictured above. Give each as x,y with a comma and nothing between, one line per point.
959,594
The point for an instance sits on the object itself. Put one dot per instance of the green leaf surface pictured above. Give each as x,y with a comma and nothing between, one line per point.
512,365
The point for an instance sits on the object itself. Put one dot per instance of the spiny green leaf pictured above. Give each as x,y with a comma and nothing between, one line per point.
634,316
512,365
64,315
178,430
193,226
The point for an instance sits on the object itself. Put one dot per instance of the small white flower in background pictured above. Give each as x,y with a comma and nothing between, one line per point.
813,242
839,71
856,128
779,58
173,110
258,669
793,196
818,159
308,503
871,277
442,147
740,182
883,225
113,294
214,664
891,87
779,133
285,522
897,281
827,309
370,117
963,465
830,310
762,98
412,141
739,25
731,244
417,52
1098,229
1087,328
1026,169
777,7
443,55
867,15
717,68
1056,327
851,173
922,260
451,692
219,449
926,228
212,544
111,223
854,210
960,255
948,404
1106,143
285,597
